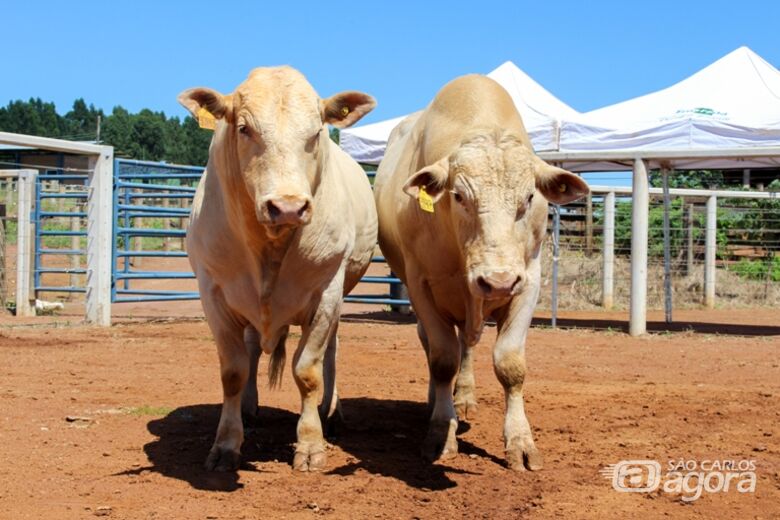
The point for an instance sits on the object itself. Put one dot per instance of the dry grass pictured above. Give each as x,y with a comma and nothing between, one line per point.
579,285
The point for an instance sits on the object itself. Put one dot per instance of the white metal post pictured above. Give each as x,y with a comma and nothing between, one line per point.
99,236
608,270
709,252
25,305
639,208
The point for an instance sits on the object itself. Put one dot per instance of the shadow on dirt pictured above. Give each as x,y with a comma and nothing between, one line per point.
660,326
382,437
186,434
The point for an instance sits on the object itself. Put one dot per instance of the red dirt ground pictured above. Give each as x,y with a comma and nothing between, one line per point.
144,402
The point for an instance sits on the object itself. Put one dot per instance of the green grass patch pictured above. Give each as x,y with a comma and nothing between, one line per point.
150,410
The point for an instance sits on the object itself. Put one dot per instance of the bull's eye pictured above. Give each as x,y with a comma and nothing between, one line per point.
458,197
243,130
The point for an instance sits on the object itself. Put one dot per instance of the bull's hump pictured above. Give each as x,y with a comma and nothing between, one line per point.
475,100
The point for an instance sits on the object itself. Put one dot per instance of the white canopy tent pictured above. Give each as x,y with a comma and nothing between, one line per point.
541,111
730,104
725,116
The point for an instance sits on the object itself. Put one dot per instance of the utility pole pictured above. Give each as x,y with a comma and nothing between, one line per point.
97,136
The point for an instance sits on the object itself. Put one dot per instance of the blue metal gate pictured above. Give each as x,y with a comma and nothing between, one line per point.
58,216
146,196
151,203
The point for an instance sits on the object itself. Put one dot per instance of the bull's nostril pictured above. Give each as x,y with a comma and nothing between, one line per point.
482,283
303,209
518,281
273,211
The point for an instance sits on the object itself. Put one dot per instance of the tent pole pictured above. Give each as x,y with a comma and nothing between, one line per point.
639,207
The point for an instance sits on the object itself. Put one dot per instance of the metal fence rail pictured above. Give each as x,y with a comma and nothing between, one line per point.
60,236
151,205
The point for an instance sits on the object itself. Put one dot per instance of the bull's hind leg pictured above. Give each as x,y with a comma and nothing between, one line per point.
465,400
307,371
228,331
249,399
330,407
510,367
424,342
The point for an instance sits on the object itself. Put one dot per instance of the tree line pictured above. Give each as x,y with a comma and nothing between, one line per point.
146,135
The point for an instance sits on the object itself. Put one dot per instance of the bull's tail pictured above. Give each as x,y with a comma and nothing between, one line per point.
276,363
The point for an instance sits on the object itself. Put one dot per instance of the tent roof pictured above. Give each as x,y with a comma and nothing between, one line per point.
541,112
731,103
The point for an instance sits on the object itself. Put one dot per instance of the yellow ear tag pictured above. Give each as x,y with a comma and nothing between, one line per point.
425,200
206,120
344,111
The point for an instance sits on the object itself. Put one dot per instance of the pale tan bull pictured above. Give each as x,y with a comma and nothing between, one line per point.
467,158
283,225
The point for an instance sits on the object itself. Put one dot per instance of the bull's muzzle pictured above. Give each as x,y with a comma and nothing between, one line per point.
492,285
288,210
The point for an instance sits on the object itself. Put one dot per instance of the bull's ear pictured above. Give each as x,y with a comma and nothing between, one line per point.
433,177
557,185
346,108
218,105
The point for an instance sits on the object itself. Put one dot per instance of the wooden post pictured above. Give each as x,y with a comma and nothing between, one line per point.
24,242
709,253
166,224
689,251
608,270
3,277
138,242
589,224
9,197
667,248
99,236
61,200
75,244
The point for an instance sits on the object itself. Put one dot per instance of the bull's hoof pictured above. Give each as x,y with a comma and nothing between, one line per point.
310,460
466,408
523,455
221,459
440,443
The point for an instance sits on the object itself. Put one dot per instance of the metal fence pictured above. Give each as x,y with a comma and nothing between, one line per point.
151,209
152,203
59,222
593,268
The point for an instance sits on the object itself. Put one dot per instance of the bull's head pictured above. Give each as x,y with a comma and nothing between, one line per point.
489,188
272,132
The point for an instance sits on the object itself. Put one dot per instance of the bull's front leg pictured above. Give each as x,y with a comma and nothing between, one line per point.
510,368
443,353
228,331
307,371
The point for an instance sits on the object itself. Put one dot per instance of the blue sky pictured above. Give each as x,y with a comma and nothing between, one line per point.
590,54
